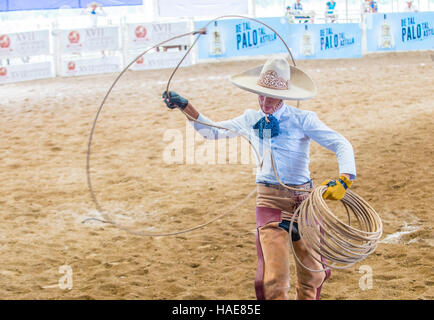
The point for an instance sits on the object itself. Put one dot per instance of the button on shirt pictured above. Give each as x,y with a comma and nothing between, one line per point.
290,148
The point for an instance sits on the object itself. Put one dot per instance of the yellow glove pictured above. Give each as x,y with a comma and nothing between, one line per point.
336,188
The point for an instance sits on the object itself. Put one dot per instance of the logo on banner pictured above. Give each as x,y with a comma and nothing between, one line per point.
307,43
249,37
71,68
386,39
140,35
140,32
74,40
25,43
71,65
23,72
140,60
74,37
329,39
410,30
90,66
93,39
5,41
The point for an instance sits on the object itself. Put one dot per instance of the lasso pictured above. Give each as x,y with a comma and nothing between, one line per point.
341,244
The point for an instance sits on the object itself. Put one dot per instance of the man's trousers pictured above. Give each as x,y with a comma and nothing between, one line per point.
274,208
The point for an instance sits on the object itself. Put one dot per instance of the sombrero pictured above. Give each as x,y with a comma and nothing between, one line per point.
277,79
96,4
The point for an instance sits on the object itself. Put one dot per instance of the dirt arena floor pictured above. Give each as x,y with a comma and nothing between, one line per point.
383,104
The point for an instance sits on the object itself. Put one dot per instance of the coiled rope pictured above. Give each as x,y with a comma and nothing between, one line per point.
342,245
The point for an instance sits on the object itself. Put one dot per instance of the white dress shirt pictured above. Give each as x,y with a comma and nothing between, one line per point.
290,148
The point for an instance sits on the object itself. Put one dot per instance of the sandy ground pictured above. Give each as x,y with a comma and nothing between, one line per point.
382,103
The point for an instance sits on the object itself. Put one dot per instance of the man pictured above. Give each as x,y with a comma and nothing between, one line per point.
298,6
94,10
410,6
289,14
373,7
288,11
330,11
365,9
300,15
287,132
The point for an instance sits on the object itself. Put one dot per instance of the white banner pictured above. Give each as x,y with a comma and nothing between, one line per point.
195,8
23,72
90,39
142,35
160,60
79,67
24,43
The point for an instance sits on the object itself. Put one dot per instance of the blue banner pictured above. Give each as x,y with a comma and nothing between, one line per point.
241,37
325,41
3,6
400,31
16,5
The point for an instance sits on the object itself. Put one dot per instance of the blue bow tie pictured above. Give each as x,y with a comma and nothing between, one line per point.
267,129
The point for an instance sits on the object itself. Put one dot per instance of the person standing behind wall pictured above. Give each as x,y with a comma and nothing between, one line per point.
298,6
373,7
330,11
94,10
289,15
410,6
365,7
369,6
297,10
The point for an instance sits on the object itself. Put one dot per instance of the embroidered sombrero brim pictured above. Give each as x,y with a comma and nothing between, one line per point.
301,86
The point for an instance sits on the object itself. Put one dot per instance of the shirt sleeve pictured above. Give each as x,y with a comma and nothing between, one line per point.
315,129
237,127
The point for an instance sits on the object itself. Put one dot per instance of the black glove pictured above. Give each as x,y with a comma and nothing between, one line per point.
174,100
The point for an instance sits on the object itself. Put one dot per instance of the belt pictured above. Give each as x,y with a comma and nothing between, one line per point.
307,185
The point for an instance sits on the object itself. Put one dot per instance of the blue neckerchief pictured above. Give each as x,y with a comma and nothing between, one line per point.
269,127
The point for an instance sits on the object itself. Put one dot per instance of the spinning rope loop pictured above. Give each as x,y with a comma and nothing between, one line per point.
323,233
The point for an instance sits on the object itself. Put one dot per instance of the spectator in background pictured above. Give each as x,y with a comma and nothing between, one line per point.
330,11
373,7
300,14
365,7
94,10
410,6
288,10
289,15
298,6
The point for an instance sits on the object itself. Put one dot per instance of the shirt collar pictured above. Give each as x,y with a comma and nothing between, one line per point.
276,114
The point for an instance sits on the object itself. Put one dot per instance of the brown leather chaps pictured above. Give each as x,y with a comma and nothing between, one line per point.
274,206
